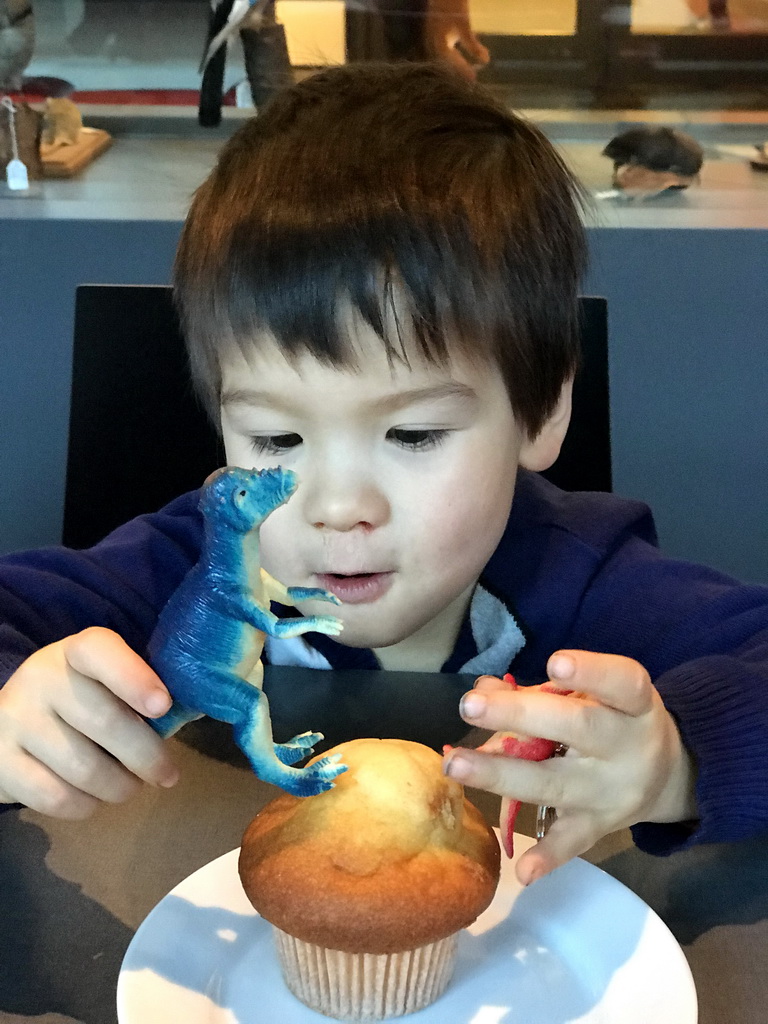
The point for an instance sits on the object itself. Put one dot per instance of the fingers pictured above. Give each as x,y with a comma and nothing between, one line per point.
81,763
625,753
69,734
473,47
491,684
106,724
456,58
441,39
528,711
570,836
606,684
101,654
41,789
533,782
613,680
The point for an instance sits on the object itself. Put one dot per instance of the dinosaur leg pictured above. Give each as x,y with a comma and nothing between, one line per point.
227,697
254,737
311,624
173,719
294,594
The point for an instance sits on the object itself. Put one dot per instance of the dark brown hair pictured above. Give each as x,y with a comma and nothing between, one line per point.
370,177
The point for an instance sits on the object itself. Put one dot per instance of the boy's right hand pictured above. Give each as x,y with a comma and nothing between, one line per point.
70,735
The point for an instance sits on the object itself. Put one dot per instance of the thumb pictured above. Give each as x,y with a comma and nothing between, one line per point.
472,46
570,835
459,62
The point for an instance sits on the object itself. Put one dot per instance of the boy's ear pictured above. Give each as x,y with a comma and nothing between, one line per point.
541,451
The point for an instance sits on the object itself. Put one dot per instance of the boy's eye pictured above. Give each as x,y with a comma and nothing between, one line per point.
274,444
416,440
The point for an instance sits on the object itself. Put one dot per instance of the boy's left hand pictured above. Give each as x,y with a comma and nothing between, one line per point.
625,763
448,36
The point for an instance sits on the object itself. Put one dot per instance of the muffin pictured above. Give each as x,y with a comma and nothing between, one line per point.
368,884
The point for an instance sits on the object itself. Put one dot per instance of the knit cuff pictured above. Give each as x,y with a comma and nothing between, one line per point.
720,704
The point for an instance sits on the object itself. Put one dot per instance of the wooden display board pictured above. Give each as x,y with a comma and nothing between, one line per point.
64,160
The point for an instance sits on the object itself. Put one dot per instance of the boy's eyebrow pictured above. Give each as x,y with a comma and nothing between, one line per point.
433,392
396,400
247,396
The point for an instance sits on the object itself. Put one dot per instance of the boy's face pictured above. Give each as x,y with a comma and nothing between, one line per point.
406,477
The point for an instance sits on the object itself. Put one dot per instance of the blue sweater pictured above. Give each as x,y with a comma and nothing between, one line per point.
573,570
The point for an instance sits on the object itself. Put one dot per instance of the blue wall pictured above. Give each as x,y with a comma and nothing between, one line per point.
688,372
689,378
43,262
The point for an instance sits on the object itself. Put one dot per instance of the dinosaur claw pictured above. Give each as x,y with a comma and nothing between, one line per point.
324,771
329,625
312,594
297,748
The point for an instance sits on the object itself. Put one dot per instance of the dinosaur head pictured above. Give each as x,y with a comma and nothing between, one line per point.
243,498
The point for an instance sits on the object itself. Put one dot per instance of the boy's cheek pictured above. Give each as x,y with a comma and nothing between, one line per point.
278,549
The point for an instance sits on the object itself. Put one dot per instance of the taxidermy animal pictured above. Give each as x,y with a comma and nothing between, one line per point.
654,158
17,41
208,641
62,122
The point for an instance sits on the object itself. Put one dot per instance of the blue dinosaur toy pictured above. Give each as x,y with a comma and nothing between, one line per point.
209,638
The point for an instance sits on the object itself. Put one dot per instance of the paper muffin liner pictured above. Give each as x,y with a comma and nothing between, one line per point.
365,986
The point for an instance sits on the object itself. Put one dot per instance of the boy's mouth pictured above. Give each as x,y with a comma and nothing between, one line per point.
356,588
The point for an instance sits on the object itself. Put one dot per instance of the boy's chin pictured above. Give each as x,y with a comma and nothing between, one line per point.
372,636
368,640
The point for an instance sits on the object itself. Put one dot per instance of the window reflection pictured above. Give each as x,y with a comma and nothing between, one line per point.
699,16
157,44
523,18
102,46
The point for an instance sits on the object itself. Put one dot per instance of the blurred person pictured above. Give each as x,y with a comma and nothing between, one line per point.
718,14
417,30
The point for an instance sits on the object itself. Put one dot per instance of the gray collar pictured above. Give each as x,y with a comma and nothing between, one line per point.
497,636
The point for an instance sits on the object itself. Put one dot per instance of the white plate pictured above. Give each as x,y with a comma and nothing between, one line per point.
575,948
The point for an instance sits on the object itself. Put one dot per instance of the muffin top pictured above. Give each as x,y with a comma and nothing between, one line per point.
393,857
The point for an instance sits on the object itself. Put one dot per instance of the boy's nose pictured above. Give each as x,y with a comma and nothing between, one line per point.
343,505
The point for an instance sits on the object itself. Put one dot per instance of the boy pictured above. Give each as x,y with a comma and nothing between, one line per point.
378,285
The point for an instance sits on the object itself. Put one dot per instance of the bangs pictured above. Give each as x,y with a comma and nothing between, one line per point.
406,282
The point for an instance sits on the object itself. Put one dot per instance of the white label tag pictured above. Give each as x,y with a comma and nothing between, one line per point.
16,175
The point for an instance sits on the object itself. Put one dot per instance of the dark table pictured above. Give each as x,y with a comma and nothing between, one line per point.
73,893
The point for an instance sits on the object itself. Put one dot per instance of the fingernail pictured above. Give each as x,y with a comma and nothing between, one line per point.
157,702
535,875
561,666
472,704
457,767
170,778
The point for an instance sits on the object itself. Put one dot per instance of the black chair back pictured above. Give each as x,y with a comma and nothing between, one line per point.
584,463
138,437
